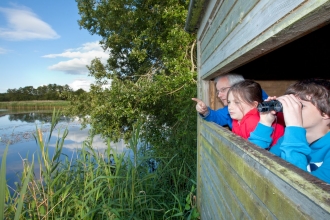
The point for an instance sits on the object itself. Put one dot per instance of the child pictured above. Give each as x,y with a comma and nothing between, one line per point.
243,98
222,84
306,141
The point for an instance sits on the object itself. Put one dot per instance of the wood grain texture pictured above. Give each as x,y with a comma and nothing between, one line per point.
238,180
260,18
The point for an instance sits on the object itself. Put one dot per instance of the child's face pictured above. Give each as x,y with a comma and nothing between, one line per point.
311,116
237,108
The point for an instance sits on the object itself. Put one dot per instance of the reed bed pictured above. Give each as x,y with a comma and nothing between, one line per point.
34,105
98,184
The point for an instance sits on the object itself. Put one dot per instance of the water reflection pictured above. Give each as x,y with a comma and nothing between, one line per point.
35,116
17,131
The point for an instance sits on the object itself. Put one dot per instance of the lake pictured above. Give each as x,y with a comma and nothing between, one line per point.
17,130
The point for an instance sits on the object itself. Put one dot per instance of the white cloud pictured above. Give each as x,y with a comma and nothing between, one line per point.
81,84
79,58
76,136
3,51
85,84
75,66
23,24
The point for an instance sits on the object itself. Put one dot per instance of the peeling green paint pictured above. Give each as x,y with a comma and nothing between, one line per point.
251,182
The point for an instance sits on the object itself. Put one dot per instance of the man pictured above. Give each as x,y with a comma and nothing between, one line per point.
306,140
221,116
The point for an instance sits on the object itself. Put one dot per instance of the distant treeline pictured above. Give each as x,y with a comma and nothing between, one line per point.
49,92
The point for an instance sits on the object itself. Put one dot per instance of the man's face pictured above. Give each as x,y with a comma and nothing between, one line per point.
222,89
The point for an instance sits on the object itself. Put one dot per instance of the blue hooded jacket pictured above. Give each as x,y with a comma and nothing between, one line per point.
294,148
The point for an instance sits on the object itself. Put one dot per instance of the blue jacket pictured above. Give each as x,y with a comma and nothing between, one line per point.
294,148
221,116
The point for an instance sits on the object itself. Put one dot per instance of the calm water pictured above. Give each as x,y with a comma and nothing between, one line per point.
17,129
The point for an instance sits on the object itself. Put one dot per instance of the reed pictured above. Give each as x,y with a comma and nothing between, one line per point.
99,184
34,105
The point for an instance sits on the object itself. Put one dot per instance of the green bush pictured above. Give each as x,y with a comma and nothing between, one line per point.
99,184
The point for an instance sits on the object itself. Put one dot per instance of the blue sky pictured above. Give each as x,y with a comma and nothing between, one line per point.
42,43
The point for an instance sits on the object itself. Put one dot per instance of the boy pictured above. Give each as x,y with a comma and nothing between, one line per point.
306,140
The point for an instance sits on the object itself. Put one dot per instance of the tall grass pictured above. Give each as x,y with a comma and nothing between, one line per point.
34,105
99,184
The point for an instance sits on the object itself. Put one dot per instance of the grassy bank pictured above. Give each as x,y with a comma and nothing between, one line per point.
34,105
99,185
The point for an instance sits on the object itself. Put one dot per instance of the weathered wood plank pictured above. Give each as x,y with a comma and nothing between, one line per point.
303,19
199,161
260,18
247,181
233,19
207,13
236,179
213,201
220,187
241,198
264,184
215,7
216,22
271,165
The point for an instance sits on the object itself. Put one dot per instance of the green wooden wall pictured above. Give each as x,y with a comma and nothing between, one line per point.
236,179
234,32
239,180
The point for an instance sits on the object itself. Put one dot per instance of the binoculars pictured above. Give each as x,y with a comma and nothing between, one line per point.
272,105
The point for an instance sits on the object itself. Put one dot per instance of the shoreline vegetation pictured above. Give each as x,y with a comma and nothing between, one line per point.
34,104
40,105
91,186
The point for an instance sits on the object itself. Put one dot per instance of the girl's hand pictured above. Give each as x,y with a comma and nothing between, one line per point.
267,118
270,98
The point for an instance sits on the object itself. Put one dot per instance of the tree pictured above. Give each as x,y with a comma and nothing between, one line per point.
50,92
4,97
64,91
151,71
12,93
80,92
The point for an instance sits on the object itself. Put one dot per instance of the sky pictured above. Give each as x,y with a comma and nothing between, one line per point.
41,43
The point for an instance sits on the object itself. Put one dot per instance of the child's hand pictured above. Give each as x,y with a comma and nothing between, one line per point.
291,110
267,118
270,98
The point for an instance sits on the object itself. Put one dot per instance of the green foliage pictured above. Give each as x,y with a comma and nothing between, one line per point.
90,186
151,71
138,34
3,184
191,203
152,77
49,92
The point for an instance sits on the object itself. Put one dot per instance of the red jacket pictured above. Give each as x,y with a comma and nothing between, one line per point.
249,123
